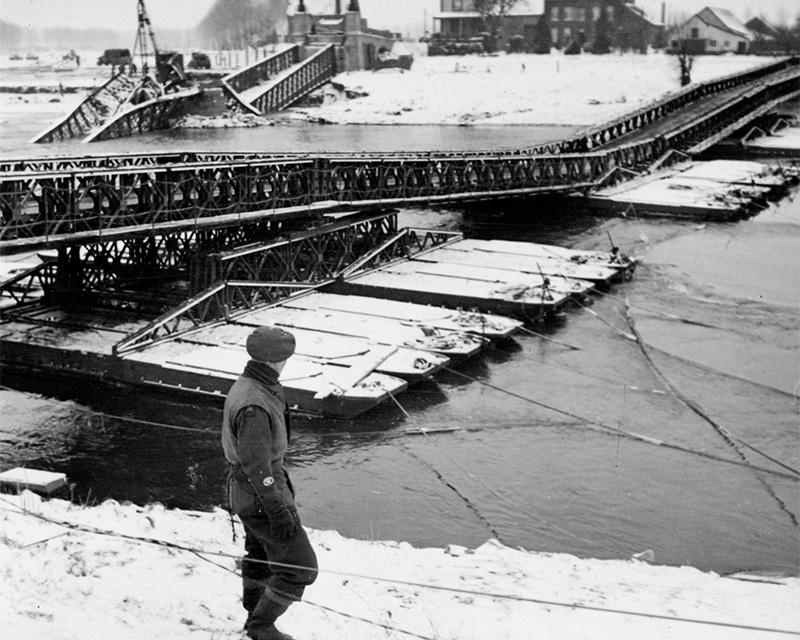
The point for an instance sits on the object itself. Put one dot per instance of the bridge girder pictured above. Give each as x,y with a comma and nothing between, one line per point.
82,202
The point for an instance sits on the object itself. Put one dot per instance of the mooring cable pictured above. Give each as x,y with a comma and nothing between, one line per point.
722,431
469,503
624,334
607,429
90,414
473,507
463,591
548,338
694,407
636,337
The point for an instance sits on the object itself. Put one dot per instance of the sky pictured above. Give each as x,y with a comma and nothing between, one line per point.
408,17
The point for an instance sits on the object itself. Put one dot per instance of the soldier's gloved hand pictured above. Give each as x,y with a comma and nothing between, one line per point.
281,521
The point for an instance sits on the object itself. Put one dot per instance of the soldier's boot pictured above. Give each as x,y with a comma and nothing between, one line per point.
261,623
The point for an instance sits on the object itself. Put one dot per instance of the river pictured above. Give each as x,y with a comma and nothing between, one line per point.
716,306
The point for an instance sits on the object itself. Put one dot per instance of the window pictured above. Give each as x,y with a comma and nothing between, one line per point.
596,13
569,14
554,14
610,12
567,33
580,14
712,43
553,35
727,43
695,33
458,5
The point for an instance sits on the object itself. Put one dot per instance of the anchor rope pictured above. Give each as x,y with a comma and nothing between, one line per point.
494,492
704,416
730,438
440,476
624,334
422,585
600,427
726,435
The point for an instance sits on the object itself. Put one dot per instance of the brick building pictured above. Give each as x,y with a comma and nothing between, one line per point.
577,21
457,19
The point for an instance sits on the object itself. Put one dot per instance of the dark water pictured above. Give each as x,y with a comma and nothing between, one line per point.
719,377
287,136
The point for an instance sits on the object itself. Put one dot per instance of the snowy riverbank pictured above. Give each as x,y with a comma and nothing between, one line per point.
107,577
519,89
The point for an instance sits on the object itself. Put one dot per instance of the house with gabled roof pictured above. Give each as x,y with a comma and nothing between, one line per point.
712,30
765,36
761,29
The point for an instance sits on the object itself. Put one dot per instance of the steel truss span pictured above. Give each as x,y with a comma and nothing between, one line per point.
60,202
49,209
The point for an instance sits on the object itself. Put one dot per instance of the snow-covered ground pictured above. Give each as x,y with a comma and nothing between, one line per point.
516,88
107,576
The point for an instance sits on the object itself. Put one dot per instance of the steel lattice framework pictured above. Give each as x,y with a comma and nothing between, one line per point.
91,112
302,78
150,115
120,222
311,256
304,260
53,209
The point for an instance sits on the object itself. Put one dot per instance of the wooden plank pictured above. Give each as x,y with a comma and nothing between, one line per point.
605,258
735,172
453,344
531,303
488,325
491,275
406,363
550,266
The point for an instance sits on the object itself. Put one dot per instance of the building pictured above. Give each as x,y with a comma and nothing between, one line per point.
339,22
710,31
458,20
579,22
765,36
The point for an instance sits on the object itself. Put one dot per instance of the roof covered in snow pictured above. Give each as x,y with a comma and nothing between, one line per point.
725,20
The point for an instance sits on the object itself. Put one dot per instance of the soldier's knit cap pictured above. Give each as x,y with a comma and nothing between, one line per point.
270,344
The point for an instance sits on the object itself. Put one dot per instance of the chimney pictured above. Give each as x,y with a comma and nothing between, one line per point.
338,10
663,13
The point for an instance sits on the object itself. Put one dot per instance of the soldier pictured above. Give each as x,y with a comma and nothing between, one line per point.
255,436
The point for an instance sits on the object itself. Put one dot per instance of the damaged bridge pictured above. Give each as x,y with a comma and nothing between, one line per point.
227,199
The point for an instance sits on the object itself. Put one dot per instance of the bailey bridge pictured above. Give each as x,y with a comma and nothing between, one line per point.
166,212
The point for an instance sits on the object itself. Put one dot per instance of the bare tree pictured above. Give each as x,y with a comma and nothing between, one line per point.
787,40
602,32
241,23
682,47
492,12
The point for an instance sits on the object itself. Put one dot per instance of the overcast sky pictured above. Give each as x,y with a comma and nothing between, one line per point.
398,15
